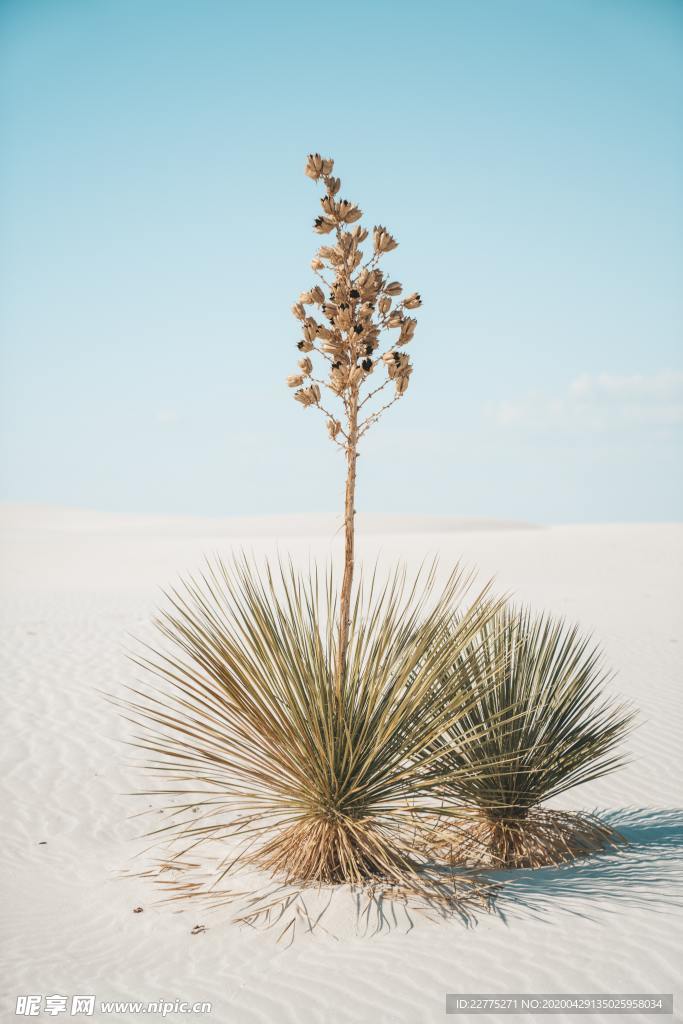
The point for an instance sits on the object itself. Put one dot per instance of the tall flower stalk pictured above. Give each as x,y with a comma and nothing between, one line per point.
354,303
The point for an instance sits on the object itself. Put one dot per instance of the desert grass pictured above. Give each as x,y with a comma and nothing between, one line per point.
539,722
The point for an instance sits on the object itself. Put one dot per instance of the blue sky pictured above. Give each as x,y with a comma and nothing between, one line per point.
156,221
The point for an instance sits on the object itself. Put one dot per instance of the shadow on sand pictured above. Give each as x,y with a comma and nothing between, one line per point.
645,874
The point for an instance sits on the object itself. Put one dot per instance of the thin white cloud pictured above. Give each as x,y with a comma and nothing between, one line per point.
599,402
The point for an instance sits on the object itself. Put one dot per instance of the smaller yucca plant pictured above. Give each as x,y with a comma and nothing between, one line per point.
538,724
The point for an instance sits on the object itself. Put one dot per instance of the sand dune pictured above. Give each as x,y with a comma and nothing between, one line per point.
74,584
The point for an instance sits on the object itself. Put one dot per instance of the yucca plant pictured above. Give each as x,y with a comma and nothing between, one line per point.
538,724
267,750
295,721
298,727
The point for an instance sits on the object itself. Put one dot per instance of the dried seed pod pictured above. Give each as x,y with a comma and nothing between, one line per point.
407,330
304,346
330,253
298,310
310,328
393,288
306,299
402,384
295,380
395,319
318,295
306,365
348,212
413,301
384,242
308,396
344,318
332,185
359,234
384,305
313,167
338,380
323,225
317,166
396,363
317,264
333,428
370,284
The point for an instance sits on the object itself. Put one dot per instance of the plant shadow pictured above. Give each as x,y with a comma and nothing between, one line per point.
647,873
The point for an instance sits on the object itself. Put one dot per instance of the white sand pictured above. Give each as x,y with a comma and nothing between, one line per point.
75,583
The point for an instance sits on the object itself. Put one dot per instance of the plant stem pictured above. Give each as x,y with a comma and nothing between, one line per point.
349,529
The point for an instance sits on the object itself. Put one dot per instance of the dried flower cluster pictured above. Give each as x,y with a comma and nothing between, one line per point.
353,304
